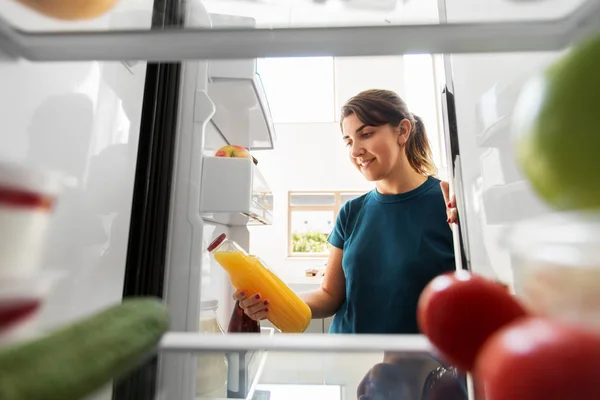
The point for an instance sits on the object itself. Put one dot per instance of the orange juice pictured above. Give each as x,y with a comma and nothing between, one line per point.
287,311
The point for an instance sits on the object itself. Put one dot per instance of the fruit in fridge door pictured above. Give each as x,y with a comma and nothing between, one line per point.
70,9
556,133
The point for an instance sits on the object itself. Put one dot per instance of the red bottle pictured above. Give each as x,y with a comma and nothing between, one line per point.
241,323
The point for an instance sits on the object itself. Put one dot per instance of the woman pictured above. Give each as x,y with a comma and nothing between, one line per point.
390,242
402,377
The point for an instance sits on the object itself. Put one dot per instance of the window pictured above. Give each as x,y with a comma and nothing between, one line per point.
311,218
422,96
299,89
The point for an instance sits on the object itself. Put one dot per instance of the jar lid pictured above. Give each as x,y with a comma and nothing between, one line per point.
217,242
209,304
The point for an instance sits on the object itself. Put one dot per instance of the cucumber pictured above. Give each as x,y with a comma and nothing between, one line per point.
79,359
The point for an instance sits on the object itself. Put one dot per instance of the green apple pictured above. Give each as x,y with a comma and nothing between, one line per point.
556,128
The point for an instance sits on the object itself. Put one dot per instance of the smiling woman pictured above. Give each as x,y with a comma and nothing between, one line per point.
384,115
387,244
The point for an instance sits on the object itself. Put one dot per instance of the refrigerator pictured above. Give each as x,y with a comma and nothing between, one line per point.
132,105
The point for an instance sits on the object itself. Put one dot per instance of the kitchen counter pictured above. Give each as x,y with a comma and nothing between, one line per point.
305,280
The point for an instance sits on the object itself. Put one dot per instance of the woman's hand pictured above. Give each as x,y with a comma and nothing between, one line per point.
254,306
451,210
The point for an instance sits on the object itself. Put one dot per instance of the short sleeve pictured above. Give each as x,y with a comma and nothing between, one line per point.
337,237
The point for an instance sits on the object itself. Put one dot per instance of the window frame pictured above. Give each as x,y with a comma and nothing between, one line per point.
334,207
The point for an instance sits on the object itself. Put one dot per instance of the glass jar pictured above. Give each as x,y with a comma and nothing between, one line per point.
27,200
556,266
211,376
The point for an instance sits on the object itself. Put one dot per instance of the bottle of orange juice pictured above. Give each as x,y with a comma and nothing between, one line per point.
287,311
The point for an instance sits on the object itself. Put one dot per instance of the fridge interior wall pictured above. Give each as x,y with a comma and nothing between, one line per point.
82,120
495,192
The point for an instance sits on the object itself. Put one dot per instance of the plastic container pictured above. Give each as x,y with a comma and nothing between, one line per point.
556,266
287,311
21,298
27,199
211,375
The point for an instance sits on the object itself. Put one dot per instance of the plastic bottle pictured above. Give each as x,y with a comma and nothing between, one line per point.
287,311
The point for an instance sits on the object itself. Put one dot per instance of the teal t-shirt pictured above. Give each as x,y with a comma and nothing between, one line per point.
393,246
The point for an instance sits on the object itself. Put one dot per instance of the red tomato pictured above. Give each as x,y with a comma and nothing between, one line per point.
540,359
458,311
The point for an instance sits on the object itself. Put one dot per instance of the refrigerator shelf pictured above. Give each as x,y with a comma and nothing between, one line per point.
511,203
183,342
233,192
242,112
24,34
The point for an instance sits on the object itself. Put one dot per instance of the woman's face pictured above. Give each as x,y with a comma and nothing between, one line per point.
374,151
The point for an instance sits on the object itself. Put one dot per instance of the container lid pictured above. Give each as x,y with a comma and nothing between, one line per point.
557,236
209,304
557,228
30,179
217,242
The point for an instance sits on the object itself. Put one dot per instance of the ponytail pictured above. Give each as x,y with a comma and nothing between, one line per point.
418,149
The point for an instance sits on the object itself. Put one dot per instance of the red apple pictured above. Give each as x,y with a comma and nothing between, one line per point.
233,151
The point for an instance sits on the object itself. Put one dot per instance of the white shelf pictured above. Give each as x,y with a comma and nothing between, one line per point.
245,43
514,202
233,192
183,342
242,111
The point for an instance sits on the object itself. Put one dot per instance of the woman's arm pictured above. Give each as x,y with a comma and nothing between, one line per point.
325,301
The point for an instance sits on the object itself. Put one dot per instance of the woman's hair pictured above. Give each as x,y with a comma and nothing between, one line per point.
378,107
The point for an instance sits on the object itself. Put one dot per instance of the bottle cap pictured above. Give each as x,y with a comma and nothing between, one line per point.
217,242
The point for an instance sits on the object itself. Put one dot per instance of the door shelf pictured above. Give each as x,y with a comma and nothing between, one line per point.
511,203
242,111
234,192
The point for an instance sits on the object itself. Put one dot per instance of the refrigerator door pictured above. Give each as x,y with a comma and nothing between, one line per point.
87,121
491,191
